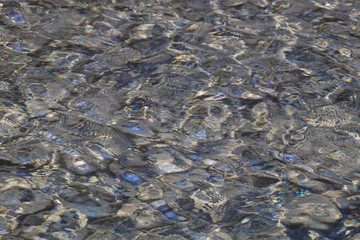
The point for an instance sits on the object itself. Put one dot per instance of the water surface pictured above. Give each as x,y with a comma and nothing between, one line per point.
161,119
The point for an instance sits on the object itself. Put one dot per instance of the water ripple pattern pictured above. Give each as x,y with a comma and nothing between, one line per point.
166,119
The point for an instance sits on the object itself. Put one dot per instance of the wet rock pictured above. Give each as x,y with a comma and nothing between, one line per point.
11,237
264,178
341,198
355,237
25,152
208,176
38,108
62,219
349,225
139,128
166,166
304,179
168,113
76,235
104,236
12,180
59,223
81,197
10,121
312,211
78,164
95,210
97,105
142,215
212,201
127,210
149,192
260,113
33,232
232,3
178,181
46,92
149,219
7,225
134,178
254,226
251,96
166,210
26,201
260,3
171,163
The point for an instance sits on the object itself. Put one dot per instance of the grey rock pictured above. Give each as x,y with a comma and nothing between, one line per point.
312,211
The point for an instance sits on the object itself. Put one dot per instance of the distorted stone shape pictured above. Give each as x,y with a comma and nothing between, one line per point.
127,210
136,174
92,210
66,218
104,236
261,3
7,225
178,181
146,219
166,210
264,178
149,192
260,113
112,59
191,233
25,152
142,215
97,105
233,3
341,198
11,181
11,119
59,223
303,179
76,235
349,225
48,92
212,201
39,108
33,232
166,166
26,201
78,164
4,86
312,211
67,224
144,77
168,163
254,226
251,96
355,237
211,177
80,197
139,128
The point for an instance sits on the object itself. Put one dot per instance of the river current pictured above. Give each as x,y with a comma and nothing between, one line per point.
166,119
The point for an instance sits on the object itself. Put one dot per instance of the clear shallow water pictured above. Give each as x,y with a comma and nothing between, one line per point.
179,119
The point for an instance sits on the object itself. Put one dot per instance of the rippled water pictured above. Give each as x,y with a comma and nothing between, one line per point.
164,119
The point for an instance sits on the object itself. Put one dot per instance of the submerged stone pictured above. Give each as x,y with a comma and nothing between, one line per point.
199,119
313,211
